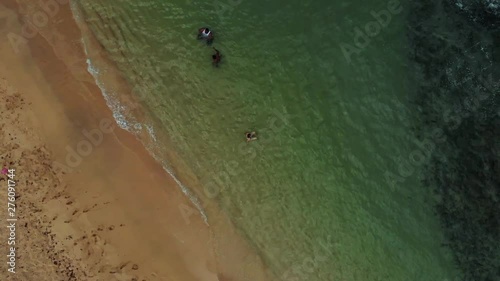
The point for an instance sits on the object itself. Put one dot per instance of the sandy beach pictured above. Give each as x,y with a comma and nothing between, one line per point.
91,203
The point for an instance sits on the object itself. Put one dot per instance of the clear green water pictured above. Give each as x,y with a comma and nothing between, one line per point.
329,130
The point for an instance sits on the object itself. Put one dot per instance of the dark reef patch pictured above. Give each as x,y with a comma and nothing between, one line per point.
456,54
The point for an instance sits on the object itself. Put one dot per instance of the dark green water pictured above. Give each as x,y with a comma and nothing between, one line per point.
456,53
332,128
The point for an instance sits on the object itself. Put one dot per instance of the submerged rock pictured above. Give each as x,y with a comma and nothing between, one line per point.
456,52
483,12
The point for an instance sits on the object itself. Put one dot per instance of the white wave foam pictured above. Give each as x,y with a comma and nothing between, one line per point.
184,189
130,123
151,132
136,127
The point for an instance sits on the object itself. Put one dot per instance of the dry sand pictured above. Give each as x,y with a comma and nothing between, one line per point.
115,215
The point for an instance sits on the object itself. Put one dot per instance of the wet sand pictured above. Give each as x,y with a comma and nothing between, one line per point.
92,203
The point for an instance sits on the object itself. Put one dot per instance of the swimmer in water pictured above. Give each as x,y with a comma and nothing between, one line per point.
206,34
216,58
251,136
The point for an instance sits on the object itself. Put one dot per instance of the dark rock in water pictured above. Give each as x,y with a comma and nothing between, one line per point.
456,50
483,12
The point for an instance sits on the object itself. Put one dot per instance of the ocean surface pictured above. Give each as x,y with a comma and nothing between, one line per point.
333,189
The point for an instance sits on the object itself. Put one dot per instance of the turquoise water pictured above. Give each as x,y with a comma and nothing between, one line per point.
330,128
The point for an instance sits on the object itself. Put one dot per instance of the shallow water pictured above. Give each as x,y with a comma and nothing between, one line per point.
314,194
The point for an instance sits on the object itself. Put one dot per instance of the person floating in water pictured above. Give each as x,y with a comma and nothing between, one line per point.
251,136
206,34
216,58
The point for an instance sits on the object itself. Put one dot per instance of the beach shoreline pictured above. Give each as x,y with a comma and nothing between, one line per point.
114,213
